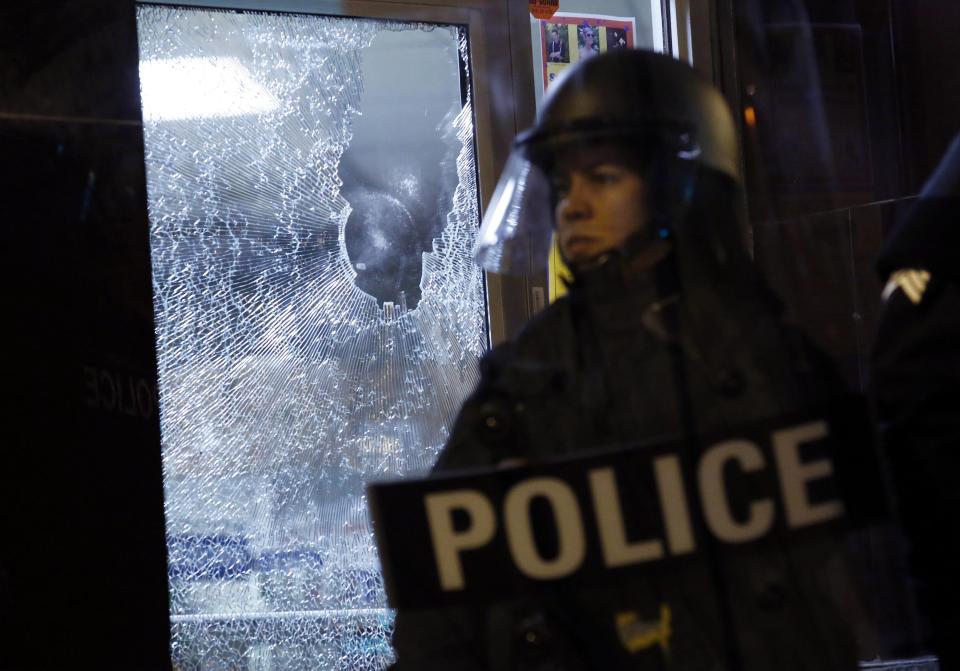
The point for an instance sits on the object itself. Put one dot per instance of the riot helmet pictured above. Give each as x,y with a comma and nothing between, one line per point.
673,122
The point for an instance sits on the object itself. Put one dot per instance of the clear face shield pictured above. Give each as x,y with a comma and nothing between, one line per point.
516,231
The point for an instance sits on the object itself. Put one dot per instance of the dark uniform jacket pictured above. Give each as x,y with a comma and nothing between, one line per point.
601,367
915,384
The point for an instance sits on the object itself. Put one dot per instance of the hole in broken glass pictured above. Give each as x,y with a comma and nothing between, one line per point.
399,170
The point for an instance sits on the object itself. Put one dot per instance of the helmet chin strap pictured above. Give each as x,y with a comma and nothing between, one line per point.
643,243
585,266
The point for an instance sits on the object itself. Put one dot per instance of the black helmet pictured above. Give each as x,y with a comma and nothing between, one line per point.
663,110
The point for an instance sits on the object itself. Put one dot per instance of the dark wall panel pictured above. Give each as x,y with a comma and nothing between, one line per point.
69,58
853,104
928,72
82,560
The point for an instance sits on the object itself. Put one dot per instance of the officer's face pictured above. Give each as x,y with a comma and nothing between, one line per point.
601,201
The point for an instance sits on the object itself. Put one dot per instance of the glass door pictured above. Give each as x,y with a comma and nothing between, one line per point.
313,201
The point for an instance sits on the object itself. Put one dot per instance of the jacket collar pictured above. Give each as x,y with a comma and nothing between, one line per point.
619,290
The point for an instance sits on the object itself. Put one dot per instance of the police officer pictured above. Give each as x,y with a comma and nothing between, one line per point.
667,332
916,389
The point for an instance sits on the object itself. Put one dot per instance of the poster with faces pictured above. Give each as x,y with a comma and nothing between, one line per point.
569,38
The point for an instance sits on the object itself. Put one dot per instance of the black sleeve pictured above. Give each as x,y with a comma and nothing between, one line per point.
915,384
915,387
485,431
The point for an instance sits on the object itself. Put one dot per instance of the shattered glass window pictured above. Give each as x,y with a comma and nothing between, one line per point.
313,205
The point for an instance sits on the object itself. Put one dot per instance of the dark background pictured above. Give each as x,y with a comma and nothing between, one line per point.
855,102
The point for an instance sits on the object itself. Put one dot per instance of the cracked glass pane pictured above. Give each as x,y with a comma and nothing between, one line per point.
313,206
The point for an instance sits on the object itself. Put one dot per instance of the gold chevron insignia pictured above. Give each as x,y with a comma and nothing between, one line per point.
912,282
637,635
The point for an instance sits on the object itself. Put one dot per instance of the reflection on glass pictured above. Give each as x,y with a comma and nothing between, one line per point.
313,206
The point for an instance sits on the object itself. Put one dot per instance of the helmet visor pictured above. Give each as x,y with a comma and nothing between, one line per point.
516,229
